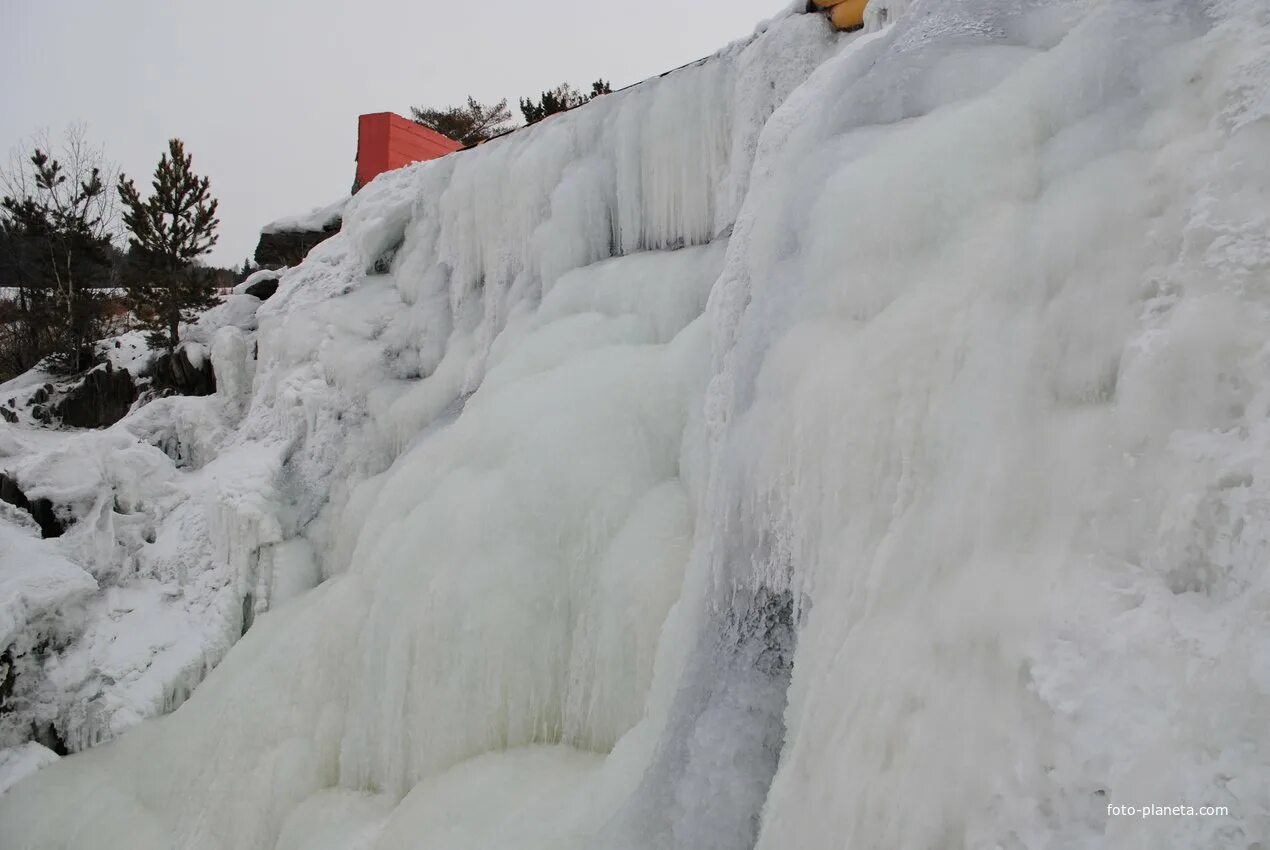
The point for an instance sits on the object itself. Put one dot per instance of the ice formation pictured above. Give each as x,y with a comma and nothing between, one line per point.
845,441
119,618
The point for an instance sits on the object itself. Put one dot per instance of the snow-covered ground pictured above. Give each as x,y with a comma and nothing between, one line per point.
118,619
847,441
19,762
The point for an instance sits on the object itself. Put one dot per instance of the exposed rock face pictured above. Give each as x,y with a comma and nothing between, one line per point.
289,247
178,373
7,676
101,399
41,510
263,289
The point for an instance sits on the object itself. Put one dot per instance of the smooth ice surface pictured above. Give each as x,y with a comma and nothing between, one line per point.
846,441
17,763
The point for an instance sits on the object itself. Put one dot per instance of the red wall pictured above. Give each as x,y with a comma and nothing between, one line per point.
386,141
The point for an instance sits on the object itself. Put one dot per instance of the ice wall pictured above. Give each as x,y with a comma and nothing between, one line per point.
845,441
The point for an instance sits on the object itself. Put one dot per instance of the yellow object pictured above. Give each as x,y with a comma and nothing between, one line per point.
825,4
848,14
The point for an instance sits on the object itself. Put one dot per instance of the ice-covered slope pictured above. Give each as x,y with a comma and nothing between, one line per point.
117,618
848,441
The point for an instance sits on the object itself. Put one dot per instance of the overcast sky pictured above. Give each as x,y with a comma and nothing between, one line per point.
266,93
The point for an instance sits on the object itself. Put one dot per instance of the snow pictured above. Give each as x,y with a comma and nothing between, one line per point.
28,381
155,603
849,440
238,310
316,219
196,354
17,763
118,620
128,351
37,583
258,276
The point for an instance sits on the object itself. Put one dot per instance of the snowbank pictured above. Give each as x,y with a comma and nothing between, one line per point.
319,218
119,618
37,584
17,763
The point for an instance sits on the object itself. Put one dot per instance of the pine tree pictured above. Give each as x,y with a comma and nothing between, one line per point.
169,232
57,221
560,99
469,124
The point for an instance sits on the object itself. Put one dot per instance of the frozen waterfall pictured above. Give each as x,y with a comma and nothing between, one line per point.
846,441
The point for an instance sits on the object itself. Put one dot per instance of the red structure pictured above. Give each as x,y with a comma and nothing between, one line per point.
386,141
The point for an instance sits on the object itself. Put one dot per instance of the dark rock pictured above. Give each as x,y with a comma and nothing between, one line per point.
8,676
39,414
288,248
249,612
41,395
383,263
100,399
263,289
41,510
174,373
8,415
48,736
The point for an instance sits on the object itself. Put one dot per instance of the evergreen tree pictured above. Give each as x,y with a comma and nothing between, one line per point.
56,225
469,124
168,233
560,99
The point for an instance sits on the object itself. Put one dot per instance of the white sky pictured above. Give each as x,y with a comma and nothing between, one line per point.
266,93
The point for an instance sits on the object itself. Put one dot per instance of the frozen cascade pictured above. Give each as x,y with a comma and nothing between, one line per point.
846,441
